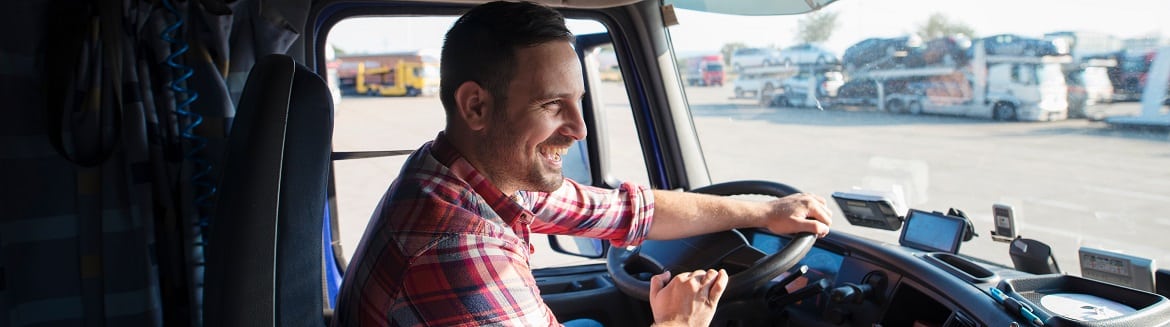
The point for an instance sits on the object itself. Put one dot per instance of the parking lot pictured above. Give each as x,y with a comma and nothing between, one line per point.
1073,183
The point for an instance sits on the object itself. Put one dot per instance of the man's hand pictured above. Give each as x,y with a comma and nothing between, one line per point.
687,300
801,212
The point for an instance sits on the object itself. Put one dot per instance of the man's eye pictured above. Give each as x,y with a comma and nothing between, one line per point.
554,104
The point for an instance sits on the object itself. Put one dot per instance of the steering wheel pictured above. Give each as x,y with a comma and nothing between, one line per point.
709,250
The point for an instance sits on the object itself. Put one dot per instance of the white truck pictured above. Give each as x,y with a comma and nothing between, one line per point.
1000,87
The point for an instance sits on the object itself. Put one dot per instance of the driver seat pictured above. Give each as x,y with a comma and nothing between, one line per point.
265,265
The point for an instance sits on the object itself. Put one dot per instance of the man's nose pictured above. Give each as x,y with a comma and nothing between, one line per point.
574,123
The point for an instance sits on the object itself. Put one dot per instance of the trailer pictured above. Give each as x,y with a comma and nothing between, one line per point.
1001,87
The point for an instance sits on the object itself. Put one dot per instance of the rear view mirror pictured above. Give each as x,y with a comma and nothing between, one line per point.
579,246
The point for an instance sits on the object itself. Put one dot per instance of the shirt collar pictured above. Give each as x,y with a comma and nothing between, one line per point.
504,206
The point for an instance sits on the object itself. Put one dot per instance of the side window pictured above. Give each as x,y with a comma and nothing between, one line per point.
378,112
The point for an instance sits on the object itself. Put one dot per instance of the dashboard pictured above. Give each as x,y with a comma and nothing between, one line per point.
873,283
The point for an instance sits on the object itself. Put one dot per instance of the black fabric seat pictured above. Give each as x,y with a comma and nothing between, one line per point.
264,252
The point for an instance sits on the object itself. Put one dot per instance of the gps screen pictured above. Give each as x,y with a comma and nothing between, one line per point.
932,232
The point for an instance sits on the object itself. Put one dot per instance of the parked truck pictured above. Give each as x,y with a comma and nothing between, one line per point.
1002,86
704,70
392,74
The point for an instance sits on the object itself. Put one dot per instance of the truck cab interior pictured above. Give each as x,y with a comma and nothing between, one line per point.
178,163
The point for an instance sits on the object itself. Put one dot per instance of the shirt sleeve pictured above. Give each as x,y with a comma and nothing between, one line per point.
473,280
621,215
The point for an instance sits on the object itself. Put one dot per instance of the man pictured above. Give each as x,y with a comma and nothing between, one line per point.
448,244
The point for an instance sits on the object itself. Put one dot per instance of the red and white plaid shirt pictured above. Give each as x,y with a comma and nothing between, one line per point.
447,248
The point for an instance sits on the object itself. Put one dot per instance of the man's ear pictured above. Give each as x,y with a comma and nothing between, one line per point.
474,104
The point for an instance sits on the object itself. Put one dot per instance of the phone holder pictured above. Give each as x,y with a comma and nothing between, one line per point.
969,229
1002,238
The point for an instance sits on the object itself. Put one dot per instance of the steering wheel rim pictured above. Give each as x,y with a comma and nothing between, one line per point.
740,284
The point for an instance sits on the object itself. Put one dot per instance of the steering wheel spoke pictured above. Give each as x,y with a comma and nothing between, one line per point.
742,258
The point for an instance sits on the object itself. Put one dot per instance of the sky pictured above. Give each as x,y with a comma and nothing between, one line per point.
857,20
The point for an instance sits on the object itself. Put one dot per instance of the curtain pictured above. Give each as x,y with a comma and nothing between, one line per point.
115,117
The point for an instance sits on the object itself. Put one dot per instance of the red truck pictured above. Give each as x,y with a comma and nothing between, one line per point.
702,70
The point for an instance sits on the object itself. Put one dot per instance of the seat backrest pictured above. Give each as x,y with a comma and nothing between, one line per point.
264,259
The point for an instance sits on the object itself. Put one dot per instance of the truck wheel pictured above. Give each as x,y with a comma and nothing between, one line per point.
895,106
915,108
767,94
1004,111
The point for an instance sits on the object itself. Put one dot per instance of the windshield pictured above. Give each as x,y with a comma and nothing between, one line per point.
1071,181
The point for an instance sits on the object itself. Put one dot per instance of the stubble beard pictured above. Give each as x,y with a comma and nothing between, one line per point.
507,162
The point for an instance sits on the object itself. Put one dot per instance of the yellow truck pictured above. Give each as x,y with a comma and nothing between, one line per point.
389,75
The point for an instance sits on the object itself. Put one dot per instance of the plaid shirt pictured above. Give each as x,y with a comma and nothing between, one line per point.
447,248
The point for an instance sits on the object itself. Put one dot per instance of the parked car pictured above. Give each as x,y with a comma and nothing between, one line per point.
857,92
1015,45
752,57
879,52
826,83
807,54
751,86
795,89
943,51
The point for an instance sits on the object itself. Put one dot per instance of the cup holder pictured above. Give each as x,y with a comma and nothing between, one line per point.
962,268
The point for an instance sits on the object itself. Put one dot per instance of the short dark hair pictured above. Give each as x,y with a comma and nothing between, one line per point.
481,46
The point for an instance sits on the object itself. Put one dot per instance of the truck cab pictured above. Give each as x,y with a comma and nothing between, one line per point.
184,164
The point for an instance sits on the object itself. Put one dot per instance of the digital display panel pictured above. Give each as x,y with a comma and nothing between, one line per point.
1105,264
1117,268
821,260
868,210
932,232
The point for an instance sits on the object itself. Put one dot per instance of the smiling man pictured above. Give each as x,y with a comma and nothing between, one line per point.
448,245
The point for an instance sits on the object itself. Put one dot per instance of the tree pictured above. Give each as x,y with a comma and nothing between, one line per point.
816,27
939,25
728,49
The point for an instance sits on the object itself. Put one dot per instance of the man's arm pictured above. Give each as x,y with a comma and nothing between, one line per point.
683,214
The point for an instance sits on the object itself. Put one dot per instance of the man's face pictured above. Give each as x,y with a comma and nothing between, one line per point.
540,119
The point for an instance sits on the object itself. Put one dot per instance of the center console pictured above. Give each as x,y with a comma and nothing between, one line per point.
1063,300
